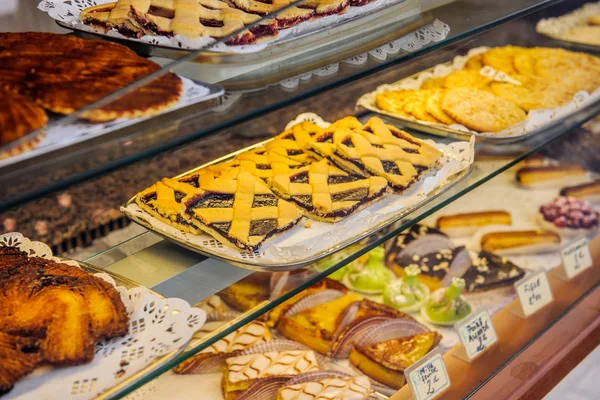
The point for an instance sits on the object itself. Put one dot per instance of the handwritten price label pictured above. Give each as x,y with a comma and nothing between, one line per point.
534,293
428,377
476,334
576,257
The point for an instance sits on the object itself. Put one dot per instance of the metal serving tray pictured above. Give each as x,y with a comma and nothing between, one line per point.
345,31
262,264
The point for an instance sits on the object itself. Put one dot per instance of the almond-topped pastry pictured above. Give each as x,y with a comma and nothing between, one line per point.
587,191
325,192
353,388
242,371
550,175
520,242
240,212
468,223
490,271
386,361
212,358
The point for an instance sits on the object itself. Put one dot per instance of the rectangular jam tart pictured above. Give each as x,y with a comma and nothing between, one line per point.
327,193
242,371
240,211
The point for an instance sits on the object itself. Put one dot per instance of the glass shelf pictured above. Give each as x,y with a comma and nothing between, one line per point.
176,272
469,23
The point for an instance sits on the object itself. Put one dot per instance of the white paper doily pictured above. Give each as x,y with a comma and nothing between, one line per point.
67,11
559,27
64,135
317,237
535,118
433,32
157,327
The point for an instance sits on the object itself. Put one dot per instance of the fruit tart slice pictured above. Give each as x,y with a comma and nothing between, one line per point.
327,193
240,211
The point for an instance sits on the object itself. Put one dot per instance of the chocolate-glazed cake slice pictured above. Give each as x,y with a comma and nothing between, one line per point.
240,211
325,192
490,271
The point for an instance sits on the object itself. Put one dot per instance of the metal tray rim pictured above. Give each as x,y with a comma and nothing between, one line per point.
290,266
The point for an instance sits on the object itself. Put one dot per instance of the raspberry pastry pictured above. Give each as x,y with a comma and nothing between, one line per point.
569,216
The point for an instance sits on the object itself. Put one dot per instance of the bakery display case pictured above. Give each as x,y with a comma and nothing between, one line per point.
368,200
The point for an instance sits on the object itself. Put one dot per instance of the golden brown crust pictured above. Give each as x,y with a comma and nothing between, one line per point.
494,241
529,175
18,357
480,218
18,117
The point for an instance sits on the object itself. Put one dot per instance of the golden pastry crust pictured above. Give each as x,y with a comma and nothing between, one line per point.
432,106
497,241
532,175
481,111
478,219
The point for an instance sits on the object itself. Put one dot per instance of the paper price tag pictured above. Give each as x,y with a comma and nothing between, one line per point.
534,293
576,257
476,334
428,377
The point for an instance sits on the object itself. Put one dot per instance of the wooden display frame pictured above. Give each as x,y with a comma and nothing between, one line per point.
529,359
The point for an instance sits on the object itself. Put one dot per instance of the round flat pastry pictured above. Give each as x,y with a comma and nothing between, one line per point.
501,58
466,78
480,110
475,62
522,96
432,106
393,101
588,34
434,83
415,105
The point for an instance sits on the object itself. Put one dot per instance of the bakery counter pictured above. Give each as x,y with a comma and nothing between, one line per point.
487,233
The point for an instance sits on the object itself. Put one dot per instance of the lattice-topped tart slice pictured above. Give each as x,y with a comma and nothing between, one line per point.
107,16
327,193
264,163
163,199
284,19
366,155
240,211
292,142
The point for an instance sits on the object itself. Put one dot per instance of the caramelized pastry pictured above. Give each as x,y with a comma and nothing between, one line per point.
520,242
385,362
243,371
550,175
587,191
469,223
248,292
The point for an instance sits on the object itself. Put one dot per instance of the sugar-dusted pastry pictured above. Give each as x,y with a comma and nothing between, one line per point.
325,192
468,223
351,388
240,212
386,361
520,242
569,216
447,306
586,191
550,175
490,271
212,358
242,371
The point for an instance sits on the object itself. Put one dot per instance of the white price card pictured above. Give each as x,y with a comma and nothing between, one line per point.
428,377
534,293
476,334
576,257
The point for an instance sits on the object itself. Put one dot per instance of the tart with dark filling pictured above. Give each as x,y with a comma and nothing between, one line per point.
292,142
325,192
240,211
490,271
264,163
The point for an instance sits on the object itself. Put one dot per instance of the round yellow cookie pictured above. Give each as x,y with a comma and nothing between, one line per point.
434,83
415,105
475,62
432,106
466,78
480,110
501,58
393,101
